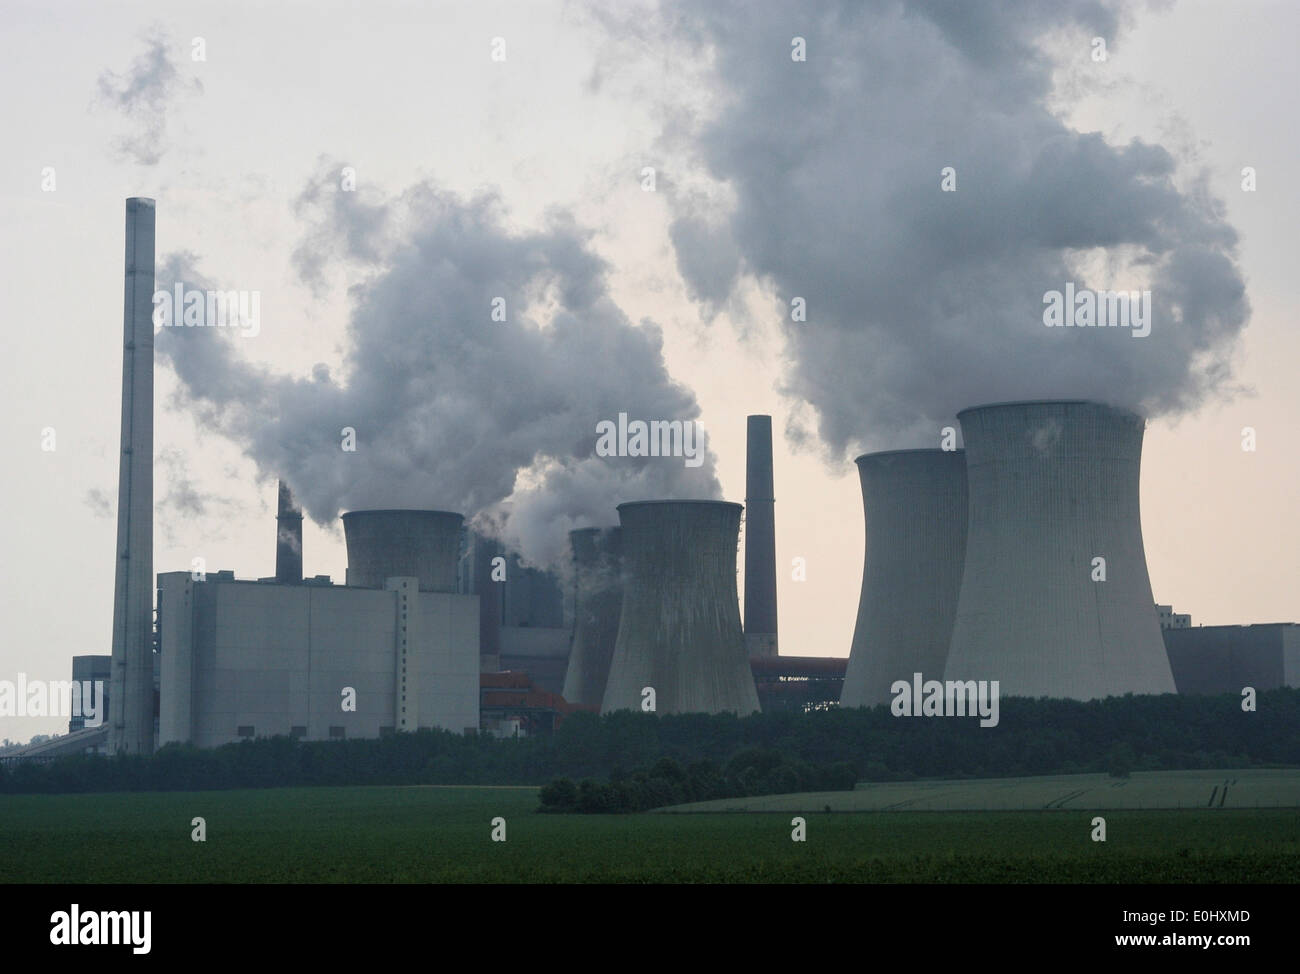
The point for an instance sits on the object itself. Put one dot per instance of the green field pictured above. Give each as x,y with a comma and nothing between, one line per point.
443,834
1144,790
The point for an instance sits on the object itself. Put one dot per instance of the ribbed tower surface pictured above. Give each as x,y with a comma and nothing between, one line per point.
679,630
914,503
1053,486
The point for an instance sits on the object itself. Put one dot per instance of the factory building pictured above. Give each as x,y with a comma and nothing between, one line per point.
395,649
1169,619
524,625
1225,659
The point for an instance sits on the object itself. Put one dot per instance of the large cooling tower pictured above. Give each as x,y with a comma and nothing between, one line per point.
421,544
760,540
914,502
679,631
598,600
130,726
1053,486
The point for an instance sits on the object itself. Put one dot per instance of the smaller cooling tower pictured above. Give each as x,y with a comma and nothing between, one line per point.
288,539
598,600
679,630
419,544
1053,489
914,502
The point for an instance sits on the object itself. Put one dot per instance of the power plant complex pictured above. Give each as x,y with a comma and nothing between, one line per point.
1018,559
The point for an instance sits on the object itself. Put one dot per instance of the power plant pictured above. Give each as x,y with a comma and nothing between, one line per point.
680,643
598,602
1018,560
914,503
1055,599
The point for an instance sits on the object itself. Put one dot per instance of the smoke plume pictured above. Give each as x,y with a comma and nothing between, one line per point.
451,409
823,180
144,96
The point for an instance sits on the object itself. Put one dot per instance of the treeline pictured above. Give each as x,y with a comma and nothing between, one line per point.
755,771
1042,736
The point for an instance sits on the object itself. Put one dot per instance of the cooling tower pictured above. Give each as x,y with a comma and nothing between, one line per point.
598,600
131,690
288,539
760,540
420,544
914,502
1053,486
679,630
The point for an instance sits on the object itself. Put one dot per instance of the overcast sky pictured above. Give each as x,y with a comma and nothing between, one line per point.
523,175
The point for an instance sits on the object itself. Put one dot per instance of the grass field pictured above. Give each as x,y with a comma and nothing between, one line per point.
1144,790
435,834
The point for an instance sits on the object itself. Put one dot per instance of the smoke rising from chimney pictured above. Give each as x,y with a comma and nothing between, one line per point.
452,409
825,180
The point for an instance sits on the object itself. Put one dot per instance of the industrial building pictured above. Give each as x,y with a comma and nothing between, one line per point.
1169,619
914,505
1055,598
524,623
1226,659
393,650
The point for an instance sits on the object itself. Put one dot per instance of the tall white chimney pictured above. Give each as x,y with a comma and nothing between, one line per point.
130,727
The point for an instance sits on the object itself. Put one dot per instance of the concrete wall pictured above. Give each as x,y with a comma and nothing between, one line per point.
1224,659
275,658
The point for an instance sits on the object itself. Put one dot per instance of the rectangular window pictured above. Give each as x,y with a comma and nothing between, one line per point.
337,732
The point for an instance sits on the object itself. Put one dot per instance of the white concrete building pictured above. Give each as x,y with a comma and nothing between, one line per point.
253,659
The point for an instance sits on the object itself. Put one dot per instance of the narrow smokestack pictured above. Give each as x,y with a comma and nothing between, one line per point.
914,502
598,600
1055,598
679,630
288,539
386,544
131,693
760,541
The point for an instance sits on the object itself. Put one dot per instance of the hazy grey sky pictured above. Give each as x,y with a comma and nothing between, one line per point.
774,178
